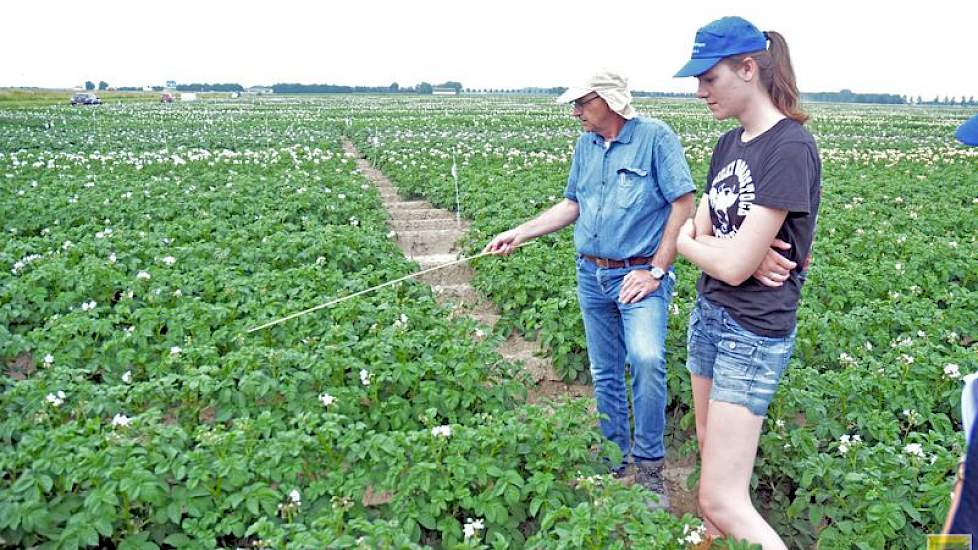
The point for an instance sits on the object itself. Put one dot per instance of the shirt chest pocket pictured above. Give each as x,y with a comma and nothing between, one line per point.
631,187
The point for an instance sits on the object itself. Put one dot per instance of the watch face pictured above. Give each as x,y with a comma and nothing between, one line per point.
657,272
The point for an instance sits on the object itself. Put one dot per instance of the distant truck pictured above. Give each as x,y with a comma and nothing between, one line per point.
85,98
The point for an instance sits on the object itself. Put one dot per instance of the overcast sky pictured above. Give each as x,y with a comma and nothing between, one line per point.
865,46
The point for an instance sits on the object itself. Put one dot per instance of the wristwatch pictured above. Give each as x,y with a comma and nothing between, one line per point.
657,273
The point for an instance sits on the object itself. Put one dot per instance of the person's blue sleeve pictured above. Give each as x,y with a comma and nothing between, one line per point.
966,518
575,171
670,165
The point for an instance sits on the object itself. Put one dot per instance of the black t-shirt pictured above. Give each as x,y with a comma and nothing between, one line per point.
777,169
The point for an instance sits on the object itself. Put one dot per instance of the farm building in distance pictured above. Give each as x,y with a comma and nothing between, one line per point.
259,90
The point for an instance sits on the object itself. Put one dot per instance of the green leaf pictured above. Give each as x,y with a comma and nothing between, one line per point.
178,540
9,516
24,483
89,535
815,515
427,520
806,478
103,526
138,541
914,514
855,477
46,482
174,512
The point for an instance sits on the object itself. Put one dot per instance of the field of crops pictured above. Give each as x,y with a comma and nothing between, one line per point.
141,241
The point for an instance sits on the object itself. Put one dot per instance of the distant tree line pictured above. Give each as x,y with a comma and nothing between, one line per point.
969,101
296,88
848,96
197,87
529,90
640,93
139,88
394,88
425,88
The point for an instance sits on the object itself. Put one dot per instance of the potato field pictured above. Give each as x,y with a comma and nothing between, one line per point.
140,242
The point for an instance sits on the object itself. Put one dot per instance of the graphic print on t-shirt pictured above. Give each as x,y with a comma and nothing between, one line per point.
731,195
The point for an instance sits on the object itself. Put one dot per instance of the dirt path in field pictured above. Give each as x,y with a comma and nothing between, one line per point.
429,236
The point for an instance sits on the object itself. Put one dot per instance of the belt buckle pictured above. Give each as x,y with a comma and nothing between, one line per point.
602,262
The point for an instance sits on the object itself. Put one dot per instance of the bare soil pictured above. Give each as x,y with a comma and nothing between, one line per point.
430,236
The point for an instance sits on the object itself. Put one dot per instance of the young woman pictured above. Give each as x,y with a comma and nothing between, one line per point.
762,194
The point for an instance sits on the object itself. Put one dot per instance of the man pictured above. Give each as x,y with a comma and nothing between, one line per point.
629,190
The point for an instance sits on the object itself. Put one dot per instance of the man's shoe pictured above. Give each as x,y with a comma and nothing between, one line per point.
649,475
626,474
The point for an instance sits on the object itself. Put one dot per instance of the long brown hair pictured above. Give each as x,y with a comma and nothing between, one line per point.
777,75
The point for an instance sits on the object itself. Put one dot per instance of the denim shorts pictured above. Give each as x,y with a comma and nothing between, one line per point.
746,368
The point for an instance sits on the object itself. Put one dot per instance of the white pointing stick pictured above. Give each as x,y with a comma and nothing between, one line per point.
371,289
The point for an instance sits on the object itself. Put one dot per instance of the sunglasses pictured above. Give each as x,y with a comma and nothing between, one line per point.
579,104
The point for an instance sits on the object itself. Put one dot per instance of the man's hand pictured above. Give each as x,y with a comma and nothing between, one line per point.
553,219
637,285
505,242
775,268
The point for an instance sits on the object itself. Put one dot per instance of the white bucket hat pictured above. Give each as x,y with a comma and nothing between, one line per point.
612,87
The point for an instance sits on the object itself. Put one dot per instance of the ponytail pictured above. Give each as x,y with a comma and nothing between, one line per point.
780,83
777,75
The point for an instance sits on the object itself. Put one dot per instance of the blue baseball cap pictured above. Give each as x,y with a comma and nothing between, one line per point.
724,37
968,132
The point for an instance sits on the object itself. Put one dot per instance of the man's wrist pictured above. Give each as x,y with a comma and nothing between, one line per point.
657,272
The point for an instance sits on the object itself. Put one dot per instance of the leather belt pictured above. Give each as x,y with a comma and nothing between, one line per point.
615,264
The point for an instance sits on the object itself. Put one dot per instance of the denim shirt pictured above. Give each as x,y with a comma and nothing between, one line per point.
625,192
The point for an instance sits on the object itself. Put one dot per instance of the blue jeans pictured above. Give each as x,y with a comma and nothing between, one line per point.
634,333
